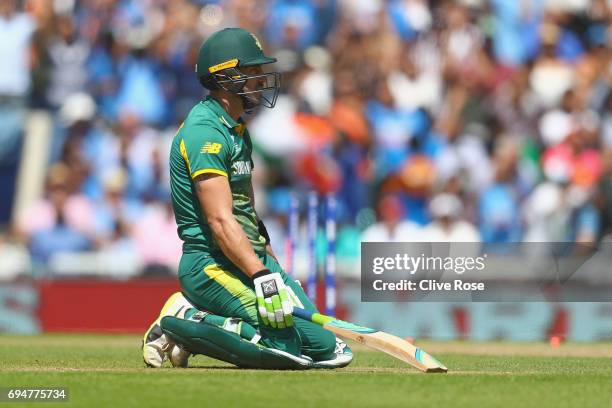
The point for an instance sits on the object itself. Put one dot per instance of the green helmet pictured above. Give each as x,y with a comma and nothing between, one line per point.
219,61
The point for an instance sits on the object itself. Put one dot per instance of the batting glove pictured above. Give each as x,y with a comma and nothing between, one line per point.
273,303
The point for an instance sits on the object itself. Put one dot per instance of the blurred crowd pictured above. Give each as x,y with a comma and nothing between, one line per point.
471,120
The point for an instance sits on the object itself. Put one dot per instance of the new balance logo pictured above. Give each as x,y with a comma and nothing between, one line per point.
211,148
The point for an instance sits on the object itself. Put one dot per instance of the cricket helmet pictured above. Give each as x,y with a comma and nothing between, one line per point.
219,64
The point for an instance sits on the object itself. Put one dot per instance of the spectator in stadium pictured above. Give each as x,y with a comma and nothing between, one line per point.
498,204
83,142
292,24
391,128
68,53
60,203
155,237
392,225
116,214
61,222
560,212
16,30
448,224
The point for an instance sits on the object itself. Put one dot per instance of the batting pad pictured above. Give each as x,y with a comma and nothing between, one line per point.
213,341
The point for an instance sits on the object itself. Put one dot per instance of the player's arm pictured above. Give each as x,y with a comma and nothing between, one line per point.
262,228
273,304
215,198
207,154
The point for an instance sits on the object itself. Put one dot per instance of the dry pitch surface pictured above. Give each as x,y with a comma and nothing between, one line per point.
103,370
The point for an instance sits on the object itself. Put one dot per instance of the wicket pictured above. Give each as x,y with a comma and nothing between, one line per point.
312,228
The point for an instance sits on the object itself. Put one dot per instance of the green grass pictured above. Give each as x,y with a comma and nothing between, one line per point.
108,371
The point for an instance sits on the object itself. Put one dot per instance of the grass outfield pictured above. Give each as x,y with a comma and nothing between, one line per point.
108,371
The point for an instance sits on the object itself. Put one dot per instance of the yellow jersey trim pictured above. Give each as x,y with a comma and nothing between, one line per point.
184,154
211,171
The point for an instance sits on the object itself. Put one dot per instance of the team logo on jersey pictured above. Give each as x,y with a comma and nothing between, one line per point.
242,167
211,148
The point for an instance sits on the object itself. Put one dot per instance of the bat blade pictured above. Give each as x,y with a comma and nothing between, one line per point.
378,340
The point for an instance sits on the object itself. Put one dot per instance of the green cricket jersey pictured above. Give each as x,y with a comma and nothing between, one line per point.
211,141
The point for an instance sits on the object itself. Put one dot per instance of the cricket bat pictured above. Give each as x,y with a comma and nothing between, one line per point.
378,340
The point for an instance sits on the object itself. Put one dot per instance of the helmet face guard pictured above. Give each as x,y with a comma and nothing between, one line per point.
234,81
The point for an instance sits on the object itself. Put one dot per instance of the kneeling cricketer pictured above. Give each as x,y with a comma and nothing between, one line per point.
236,301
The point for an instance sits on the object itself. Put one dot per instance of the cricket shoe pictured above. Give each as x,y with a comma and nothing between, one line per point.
156,346
343,357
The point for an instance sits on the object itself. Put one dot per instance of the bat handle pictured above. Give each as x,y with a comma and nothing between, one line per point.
302,313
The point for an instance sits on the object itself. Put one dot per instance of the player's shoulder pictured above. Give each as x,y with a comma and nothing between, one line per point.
202,124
